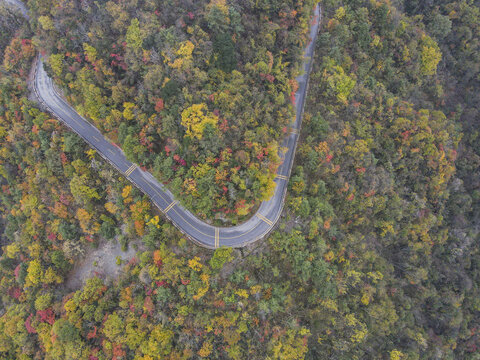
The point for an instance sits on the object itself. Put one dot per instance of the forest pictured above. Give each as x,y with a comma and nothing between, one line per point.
197,92
376,253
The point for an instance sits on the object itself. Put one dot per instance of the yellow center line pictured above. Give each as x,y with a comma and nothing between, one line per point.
78,123
167,209
243,234
261,217
283,177
74,120
155,191
217,237
193,226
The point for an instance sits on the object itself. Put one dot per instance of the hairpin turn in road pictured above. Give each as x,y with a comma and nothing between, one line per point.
195,229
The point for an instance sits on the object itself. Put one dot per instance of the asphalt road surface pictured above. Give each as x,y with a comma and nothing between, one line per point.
196,230
19,5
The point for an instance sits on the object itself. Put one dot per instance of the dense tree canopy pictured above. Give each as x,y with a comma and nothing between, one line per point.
183,85
376,254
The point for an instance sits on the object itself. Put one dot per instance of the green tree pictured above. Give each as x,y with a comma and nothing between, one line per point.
65,331
430,56
113,327
220,257
134,35
225,52
35,273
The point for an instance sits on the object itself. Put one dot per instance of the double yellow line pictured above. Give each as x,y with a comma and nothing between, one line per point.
130,170
283,177
217,237
261,217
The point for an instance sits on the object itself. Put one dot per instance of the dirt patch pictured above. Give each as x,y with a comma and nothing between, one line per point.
101,262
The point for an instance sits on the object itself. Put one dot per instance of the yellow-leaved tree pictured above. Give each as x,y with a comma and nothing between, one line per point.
196,118
34,273
430,55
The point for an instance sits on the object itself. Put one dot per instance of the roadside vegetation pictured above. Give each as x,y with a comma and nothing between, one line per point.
376,254
198,92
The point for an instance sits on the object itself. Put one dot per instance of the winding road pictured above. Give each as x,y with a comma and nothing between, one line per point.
257,227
